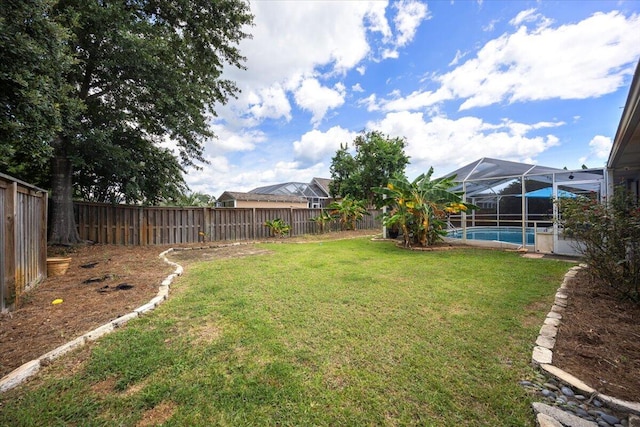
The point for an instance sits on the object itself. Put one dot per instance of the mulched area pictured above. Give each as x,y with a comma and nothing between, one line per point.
598,341
122,279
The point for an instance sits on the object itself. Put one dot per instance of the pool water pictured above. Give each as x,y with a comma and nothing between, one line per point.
493,234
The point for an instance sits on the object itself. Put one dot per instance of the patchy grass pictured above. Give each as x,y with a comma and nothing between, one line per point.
348,332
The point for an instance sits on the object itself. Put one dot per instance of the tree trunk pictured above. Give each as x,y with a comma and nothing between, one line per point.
63,230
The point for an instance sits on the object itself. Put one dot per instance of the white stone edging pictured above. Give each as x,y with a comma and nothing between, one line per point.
29,369
542,355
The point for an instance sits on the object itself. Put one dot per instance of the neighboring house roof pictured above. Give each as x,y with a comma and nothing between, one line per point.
300,189
257,197
323,183
624,158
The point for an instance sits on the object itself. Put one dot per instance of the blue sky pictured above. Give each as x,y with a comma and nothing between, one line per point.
542,82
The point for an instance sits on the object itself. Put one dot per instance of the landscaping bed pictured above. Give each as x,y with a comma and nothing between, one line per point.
599,339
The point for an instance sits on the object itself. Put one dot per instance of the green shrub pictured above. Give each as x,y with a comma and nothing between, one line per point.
348,211
278,227
609,237
323,220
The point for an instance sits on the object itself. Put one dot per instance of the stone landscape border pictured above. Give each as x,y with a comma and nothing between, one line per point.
542,356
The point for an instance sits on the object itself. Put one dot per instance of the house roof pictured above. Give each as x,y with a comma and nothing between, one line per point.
323,183
300,189
624,158
258,197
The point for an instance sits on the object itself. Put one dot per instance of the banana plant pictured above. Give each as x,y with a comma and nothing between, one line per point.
323,219
419,207
278,227
348,211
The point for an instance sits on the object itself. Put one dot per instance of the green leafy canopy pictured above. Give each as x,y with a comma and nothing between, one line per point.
107,83
101,89
378,157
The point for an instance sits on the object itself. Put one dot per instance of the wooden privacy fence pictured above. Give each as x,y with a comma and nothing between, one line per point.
23,239
137,225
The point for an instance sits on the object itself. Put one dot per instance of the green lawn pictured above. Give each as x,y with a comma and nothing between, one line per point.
349,332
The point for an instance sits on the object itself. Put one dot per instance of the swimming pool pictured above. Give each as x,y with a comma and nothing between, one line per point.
495,234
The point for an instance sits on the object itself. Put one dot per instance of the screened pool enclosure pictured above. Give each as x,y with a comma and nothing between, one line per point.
517,200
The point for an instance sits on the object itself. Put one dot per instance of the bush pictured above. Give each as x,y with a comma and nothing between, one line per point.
609,234
323,220
278,227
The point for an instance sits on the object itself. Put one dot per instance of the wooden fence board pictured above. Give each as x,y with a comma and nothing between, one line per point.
136,225
23,219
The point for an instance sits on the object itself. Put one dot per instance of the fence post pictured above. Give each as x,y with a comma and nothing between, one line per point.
142,229
44,231
290,222
206,224
11,202
254,224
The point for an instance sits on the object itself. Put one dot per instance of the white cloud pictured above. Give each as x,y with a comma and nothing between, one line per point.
601,146
447,144
599,149
491,25
291,40
311,96
223,175
415,100
270,102
371,102
528,15
228,140
301,49
457,58
315,146
218,171
574,61
409,17
390,53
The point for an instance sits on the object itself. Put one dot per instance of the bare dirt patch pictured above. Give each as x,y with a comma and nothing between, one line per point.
158,414
186,257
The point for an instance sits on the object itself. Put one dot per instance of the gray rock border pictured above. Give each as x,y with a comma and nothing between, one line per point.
31,368
542,356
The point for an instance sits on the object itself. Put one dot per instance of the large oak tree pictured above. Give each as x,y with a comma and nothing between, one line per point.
140,72
34,93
